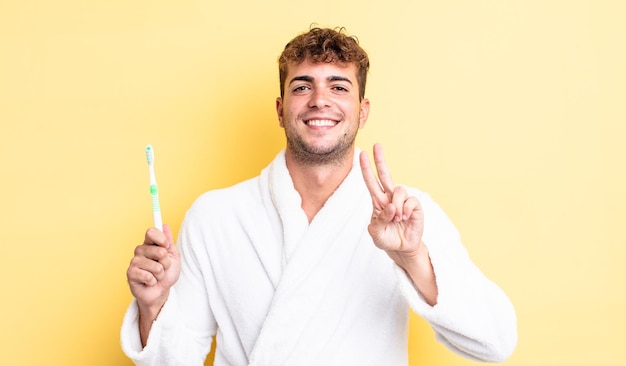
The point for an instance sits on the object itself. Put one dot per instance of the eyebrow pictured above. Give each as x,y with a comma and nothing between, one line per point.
310,79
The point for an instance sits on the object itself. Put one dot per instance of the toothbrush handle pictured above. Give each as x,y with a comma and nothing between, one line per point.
156,207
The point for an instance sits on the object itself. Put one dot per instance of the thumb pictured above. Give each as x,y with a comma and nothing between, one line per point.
168,236
388,213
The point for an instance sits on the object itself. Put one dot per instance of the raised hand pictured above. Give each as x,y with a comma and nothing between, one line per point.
397,220
397,225
153,270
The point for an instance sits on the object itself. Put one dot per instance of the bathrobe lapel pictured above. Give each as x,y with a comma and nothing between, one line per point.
306,302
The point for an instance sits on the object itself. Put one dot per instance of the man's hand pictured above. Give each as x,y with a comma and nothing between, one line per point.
397,219
152,272
397,225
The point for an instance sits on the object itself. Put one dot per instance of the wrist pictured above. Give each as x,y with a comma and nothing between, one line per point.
150,311
147,316
418,267
412,260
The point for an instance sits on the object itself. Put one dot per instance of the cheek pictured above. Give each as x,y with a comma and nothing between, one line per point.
350,109
289,112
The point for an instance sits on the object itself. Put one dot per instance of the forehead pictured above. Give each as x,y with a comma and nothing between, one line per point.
322,70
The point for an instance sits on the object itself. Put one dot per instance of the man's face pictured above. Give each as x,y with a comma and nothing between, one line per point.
321,111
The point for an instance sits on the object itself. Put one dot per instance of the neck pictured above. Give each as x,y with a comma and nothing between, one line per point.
316,183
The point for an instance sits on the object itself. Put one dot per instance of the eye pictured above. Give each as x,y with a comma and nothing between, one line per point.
340,88
300,88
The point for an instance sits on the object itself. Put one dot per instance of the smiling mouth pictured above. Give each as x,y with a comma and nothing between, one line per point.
320,123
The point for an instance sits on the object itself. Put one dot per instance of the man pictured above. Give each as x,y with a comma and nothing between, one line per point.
316,260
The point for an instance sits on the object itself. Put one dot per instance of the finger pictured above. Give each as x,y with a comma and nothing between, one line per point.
371,182
381,168
398,199
168,236
156,269
411,207
145,272
157,254
137,276
388,214
155,236
150,251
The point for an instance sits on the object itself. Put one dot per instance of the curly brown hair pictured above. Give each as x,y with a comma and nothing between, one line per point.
325,45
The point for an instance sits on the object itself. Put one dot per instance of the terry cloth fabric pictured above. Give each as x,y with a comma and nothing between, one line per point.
278,290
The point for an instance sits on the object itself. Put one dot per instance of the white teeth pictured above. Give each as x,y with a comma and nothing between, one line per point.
320,123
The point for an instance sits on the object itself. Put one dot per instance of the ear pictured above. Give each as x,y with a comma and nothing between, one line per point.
279,111
365,111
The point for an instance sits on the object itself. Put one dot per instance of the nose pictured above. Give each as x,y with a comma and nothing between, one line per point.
319,98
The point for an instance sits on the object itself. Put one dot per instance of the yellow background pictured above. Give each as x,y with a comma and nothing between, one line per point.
510,113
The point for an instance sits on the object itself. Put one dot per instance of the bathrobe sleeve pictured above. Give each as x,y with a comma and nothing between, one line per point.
473,316
183,331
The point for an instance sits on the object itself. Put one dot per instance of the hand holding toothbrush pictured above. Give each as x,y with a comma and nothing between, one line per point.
152,272
155,266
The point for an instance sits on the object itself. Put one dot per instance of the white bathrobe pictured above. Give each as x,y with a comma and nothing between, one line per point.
276,290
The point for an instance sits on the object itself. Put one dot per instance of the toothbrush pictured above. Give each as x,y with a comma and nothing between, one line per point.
154,189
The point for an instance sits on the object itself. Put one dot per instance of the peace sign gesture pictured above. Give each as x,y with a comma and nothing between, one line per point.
397,220
397,225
